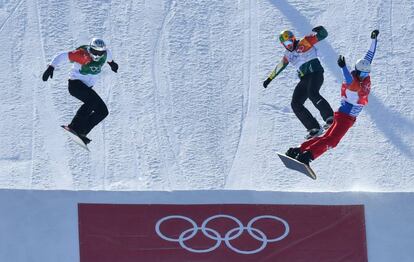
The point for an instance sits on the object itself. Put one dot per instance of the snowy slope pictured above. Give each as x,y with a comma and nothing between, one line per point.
187,109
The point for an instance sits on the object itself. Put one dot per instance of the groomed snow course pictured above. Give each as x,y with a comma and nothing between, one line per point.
187,108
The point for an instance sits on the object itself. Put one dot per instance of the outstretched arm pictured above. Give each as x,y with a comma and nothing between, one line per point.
114,66
63,57
279,68
371,52
55,61
321,34
79,56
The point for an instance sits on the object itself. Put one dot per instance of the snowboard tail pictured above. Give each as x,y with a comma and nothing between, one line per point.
72,134
294,164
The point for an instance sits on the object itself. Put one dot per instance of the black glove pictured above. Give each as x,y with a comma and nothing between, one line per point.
266,82
48,73
114,66
341,61
374,34
317,29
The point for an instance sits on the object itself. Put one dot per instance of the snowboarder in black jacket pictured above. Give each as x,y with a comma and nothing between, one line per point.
303,55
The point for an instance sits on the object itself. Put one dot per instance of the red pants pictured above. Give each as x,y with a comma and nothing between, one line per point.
318,145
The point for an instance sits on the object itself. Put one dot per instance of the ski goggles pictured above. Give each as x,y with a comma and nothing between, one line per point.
363,74
96,52
288,44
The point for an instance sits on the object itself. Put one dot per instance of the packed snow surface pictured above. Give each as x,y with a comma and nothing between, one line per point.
187,107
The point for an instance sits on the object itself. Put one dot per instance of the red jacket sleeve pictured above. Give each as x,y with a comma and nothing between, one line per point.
311,39
79,56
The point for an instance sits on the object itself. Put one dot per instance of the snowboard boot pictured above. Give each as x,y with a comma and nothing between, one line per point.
314,132
328,122
85,139
70,129
305,157
73,129
293,152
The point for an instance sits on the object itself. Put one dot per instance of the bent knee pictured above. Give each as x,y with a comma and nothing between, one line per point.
101,109
315,97
105,111
296,106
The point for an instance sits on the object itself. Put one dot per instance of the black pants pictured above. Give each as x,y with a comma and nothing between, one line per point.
309,87
91,112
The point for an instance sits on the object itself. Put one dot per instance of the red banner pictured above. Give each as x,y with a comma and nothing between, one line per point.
294,233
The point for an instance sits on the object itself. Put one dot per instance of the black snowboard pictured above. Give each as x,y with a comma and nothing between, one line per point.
296,165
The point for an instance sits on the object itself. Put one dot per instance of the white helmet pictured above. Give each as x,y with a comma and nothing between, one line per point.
97,48
363,65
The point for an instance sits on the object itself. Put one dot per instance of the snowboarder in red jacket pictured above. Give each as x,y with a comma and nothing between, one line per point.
354,96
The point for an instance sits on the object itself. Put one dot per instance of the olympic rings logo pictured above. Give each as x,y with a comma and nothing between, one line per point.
232,234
